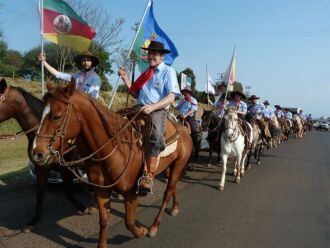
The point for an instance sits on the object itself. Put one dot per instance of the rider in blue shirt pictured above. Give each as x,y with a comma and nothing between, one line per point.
187,107
269,111
86,80
278,112
257,111
157,88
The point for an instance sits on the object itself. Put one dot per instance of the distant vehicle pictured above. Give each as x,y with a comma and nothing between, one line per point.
323,126
54,177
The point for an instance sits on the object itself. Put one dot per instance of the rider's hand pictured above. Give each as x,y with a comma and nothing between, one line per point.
147,109
122,73
42,57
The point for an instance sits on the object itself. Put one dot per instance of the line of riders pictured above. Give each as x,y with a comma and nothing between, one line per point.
120,160
276,122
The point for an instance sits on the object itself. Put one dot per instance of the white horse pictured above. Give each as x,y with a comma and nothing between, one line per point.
232,143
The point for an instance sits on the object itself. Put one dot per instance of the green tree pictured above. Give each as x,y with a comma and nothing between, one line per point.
238,86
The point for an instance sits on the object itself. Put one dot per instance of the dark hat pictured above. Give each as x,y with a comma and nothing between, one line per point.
187,88
254,97
277,106
236,92
77,58
266,102
156,46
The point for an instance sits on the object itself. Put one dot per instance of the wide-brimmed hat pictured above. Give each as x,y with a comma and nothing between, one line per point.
236,92
266,102
187,88
77,58
156,46
254,97
222,84
277,106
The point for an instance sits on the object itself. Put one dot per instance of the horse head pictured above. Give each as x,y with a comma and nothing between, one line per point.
60,123
210,121
5,108
231,120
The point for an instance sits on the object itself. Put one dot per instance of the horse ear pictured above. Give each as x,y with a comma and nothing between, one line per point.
3,85
49,84
71,86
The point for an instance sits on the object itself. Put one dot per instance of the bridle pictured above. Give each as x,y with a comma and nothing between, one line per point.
60,133
236,131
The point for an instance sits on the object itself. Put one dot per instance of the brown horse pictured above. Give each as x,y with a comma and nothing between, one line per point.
115,159
27,110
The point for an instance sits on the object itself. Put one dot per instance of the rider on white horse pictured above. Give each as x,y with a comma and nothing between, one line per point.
241,109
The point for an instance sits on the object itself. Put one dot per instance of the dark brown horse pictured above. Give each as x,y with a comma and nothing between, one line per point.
27,110
114,153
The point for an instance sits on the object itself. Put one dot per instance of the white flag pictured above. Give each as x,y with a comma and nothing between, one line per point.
209,85
183,80
230,74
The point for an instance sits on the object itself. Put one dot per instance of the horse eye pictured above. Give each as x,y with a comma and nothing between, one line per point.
56,117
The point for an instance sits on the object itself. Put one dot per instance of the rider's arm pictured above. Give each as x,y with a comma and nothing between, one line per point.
123,75
52,70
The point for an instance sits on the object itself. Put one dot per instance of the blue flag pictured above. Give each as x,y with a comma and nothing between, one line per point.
149,30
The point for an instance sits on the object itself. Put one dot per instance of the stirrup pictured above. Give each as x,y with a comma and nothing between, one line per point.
145,179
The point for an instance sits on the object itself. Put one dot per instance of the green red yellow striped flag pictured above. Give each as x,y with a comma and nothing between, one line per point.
65,27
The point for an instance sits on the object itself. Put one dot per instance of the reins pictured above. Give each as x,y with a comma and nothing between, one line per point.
60,132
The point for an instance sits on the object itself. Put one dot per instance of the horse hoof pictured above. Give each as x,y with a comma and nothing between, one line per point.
221,187
238,181
208,165
27,229
92,210
258,162
83,212
152,232
174,212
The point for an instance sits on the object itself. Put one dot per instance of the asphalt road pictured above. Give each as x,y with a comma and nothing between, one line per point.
284,202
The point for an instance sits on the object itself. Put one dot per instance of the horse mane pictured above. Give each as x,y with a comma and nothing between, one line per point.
117,122
35,103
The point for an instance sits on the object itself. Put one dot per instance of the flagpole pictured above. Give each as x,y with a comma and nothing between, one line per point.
129,52
207,87
41,6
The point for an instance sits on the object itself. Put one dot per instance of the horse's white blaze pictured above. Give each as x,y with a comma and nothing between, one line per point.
46,112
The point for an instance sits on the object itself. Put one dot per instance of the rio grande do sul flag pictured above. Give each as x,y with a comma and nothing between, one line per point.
149,30
65,27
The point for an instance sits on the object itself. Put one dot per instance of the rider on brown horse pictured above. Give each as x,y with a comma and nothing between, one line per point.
155,90
257,110
188,108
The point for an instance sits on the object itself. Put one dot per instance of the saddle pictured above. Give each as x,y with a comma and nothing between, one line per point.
142,125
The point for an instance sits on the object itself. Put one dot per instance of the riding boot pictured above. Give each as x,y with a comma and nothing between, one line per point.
145,182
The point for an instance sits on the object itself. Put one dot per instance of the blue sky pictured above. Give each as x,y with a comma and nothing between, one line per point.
282,46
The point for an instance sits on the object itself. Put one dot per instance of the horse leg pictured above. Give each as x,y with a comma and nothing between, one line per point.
209,159
41,177
169,192
249,155
130,214
239,164
244,155
103,201
223,173
68,185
